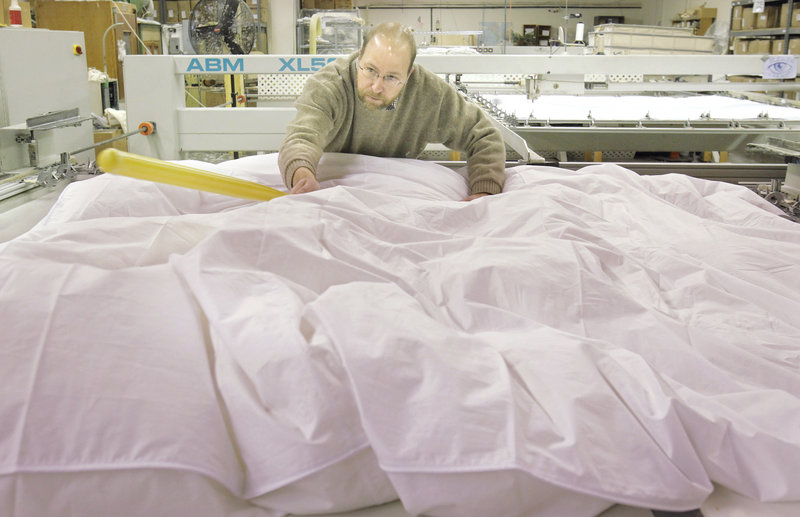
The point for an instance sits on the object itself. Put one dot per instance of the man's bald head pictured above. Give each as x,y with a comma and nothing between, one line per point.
390,33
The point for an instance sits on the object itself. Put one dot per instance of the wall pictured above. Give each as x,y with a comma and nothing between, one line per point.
492,15
493,19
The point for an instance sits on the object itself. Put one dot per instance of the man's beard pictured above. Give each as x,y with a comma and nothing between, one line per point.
362,95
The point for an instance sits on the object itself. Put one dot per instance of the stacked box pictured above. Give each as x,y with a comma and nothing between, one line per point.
740,45
736,18
184,10
173,11
795,22
759,46
769,18
748,19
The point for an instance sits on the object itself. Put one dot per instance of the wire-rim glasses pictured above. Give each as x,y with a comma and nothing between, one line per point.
389,80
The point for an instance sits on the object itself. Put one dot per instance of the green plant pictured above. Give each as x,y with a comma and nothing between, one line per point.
523,39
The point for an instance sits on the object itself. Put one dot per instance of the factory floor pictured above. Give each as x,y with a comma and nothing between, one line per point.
20,213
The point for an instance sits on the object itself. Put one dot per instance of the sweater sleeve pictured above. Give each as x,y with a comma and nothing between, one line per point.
312,128
467,128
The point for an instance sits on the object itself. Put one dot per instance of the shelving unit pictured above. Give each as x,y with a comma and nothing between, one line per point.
774,31
771,30
700,20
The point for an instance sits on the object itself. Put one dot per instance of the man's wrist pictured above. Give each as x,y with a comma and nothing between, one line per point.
293,168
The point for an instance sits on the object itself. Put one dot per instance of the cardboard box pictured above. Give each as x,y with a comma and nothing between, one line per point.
759,46
794,45
769,18
25,8
211,97
736,12
344,4
785,13
173,10
705,12
308,4
778,46
736,24
740,45
101,135
325,4
184,10
748,19
263,12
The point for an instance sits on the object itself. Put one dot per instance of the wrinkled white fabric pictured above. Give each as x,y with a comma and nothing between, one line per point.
583,338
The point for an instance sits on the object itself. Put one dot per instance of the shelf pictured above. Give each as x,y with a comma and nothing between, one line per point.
773,39
750,2
765,32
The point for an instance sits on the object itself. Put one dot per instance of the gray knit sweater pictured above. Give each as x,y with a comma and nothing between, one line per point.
331,118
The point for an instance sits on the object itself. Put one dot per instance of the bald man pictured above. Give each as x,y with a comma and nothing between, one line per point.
377,102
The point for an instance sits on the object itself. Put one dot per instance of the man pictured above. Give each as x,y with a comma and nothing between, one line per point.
376,102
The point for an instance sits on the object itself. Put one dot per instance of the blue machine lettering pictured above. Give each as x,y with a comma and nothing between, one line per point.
214,64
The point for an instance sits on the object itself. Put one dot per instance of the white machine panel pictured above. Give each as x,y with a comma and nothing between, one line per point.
43,71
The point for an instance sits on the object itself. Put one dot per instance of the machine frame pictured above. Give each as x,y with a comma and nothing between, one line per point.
155,92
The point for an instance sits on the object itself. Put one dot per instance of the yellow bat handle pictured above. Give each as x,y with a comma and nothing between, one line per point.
151,169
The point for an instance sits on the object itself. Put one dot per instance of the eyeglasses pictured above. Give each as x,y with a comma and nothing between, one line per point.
389,80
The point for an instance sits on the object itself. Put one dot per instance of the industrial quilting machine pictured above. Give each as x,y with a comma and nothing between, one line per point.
159,90
559,107
586,339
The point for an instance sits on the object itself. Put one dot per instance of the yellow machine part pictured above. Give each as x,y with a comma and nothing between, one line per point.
132,165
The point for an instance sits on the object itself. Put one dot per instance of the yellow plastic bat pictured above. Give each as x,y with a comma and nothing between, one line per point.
151,169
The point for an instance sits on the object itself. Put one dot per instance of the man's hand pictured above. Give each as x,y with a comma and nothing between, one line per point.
303,181
475,196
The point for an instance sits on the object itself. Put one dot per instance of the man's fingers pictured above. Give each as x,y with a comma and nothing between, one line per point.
305,185
300,186
475,196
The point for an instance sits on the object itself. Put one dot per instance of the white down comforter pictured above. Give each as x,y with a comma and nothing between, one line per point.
581,339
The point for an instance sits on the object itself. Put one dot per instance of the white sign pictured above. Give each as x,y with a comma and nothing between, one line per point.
758,6
780,67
